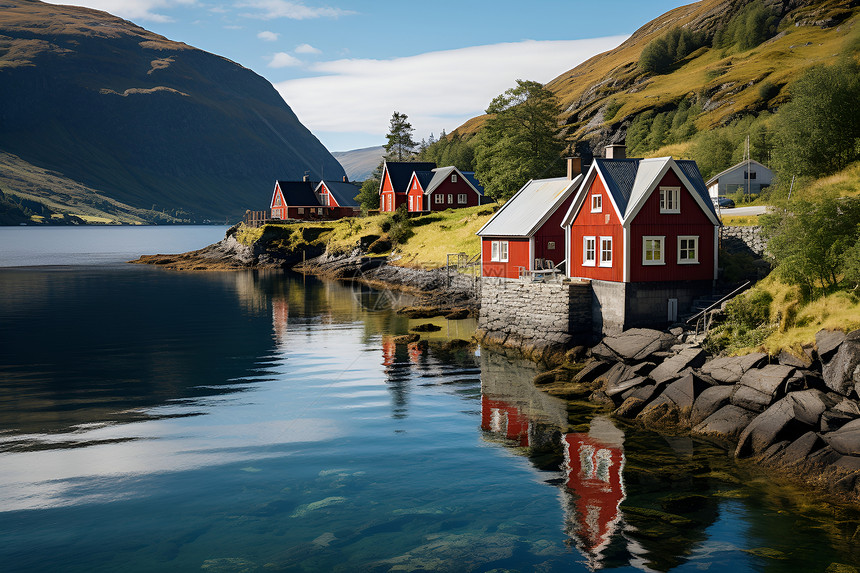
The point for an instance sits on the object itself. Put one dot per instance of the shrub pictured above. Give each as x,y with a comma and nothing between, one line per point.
767,91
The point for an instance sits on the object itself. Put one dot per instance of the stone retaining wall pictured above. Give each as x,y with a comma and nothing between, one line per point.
749,236
534,317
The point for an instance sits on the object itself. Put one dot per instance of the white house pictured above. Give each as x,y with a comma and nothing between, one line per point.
748,176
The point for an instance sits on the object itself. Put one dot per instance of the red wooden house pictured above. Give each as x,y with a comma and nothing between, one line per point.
528,226
394,184
649,225
443,188
339,198
296,200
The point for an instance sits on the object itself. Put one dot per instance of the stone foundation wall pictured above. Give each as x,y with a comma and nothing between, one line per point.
749,236
534,317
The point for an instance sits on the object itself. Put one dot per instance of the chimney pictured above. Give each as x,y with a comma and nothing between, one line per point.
574,167
345,179
616,151
306,178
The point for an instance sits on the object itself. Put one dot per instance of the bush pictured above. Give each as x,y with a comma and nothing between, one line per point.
767,91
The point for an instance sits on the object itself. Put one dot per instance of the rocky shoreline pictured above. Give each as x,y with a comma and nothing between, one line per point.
796,415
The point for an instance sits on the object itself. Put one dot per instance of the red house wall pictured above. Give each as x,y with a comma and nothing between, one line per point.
551,231
690,221
588,224
518,256
417,199
447,188
278,207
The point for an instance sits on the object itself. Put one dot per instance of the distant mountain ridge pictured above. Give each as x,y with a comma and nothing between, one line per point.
153,124
359,164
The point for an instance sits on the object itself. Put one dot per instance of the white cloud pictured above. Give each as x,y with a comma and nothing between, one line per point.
131,9
436,90
307,49
271,9
283,60
268,36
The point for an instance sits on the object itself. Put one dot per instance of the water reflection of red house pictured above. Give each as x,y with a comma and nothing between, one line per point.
280,316
499,417
388,350
594,474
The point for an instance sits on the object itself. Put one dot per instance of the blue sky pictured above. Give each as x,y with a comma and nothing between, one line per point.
345,65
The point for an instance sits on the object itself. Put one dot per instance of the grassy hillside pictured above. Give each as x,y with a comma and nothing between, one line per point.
602,96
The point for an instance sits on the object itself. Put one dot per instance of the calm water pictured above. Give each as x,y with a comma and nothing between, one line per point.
261,421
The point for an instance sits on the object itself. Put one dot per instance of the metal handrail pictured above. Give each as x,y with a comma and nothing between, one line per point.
719,302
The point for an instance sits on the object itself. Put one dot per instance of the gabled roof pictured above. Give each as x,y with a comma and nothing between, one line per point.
298,193
400,173
734,167
530,207
424,179
344,193
631,181
470,177
441,174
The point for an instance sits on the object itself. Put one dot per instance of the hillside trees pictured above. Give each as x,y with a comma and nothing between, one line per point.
520,141
676,44
368,197
818,131
450,150
751,26
400,145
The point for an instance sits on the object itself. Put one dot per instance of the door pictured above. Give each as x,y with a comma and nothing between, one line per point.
673,310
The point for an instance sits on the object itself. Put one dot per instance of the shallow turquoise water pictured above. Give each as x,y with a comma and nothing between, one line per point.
261,421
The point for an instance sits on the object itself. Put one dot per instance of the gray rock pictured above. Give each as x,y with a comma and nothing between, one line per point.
786,358
832,420
826,343
730,369
759,388
671,368
848,463
591,371
630,407
726,423
617,373
603,352
838,372
623,386
845,440
824,457
848,407
643,392
785,420
709,401
683,392
639,343
809,405
802,447
775,450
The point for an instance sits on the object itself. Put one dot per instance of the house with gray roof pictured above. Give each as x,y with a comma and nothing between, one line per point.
443,188
748,177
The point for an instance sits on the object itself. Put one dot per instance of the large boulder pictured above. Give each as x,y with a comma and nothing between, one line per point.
841,372
613,381
788,419
827,342
845,440
624,385
709,401
758,388
684,391
637,344
726,423
801,448
672,368
591,370
730,369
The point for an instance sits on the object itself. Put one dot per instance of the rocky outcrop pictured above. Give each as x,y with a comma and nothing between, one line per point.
802,417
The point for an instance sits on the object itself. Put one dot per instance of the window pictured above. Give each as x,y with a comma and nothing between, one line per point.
278,200
589,251
461,199
550,246
653,251
499,251
688,250
596,203
453,178
605,251
411,203
670,199
749,174
450,198
388,203
414,184
301,210
440,199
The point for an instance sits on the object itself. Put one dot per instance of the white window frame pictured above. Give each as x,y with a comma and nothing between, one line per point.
586,251
688,261
499,251
604,241
462,199
439,199
661,239
450,198
670,200
597,203
414,184
278,200
301,211
453,178
411,202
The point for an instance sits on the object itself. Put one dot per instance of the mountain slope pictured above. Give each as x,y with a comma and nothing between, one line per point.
148,122
725,82
359,164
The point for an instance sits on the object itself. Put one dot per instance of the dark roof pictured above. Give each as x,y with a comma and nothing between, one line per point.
344,193
400,172
470,175
299,193
620,175
424,179
691,170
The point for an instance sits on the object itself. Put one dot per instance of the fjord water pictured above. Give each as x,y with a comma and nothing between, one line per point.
263,421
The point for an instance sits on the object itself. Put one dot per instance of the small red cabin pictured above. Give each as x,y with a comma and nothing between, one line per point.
443,188
394,183
339,197
296,200
642,220
528,226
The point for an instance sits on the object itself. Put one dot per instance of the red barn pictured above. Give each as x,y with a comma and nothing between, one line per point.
443,188
528,226
648,225
394,184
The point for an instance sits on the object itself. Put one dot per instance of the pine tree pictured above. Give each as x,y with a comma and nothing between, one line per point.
400,144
